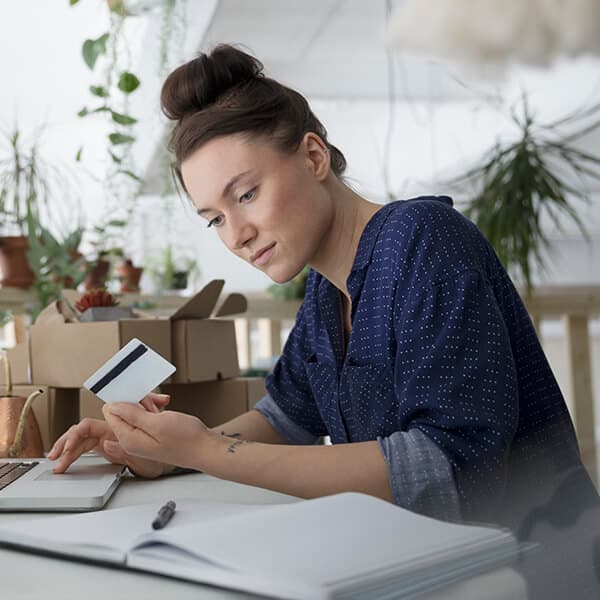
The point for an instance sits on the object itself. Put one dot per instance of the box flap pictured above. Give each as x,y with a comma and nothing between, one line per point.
234,304
202,304
60,311
49,315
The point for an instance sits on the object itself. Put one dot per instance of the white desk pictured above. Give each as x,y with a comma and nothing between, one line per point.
30,577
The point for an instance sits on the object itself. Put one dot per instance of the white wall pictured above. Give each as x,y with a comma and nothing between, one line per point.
45,80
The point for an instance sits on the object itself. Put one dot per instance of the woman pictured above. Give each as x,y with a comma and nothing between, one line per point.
412,349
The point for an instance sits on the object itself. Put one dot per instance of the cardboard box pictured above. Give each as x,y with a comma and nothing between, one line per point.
214,402
90,406
204,348
18,357
55,410
65,354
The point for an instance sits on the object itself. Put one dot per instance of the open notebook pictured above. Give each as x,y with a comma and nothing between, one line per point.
342,546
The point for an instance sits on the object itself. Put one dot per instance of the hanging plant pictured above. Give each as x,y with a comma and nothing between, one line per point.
518,183
111,94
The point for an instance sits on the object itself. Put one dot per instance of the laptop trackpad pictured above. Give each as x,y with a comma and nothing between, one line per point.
79,473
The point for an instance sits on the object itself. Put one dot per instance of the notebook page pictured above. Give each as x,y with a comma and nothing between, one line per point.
109,534
102,535
355,532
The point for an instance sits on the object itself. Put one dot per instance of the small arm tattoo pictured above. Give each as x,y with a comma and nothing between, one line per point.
231,434
231,448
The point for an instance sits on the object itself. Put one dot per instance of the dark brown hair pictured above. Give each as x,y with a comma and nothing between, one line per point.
225,92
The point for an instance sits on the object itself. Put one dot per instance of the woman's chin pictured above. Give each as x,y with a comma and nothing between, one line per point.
280,275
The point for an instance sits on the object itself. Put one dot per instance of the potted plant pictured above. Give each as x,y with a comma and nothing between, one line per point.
129,276
105,249
56,263
23,185
517,183
173,269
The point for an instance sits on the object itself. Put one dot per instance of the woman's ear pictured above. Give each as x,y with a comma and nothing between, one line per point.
317,155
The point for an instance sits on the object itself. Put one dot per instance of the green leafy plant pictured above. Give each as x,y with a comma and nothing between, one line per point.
106,239
56,264
25,182
516,184
6,316
36,196
172,269
111,93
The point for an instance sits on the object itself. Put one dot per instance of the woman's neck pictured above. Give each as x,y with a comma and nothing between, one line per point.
337,251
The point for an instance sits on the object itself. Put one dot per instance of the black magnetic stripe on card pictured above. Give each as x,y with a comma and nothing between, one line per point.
119,368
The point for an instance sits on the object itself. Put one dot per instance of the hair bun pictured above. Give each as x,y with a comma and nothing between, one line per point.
198,83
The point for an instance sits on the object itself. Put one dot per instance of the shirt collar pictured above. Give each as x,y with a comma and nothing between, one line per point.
369,237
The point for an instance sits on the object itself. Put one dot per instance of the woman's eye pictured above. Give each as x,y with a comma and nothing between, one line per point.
248,195
215,222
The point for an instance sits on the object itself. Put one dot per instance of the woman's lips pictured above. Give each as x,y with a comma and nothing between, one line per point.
263,256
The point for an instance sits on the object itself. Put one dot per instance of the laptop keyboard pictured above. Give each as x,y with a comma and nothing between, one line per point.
11,471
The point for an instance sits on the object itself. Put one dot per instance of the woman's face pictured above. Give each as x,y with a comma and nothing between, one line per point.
271,209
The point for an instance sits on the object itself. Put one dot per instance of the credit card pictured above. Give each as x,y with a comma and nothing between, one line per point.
130,374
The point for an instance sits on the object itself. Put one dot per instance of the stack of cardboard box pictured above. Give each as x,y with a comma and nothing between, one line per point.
196,339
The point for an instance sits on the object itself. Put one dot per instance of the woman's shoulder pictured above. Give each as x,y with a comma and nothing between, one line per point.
428,234
423,211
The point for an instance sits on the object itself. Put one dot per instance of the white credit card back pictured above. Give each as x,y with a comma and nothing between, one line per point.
130,374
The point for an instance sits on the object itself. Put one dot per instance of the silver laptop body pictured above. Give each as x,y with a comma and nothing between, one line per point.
87,484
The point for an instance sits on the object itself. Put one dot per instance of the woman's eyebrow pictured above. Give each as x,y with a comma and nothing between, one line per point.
226,189
233,181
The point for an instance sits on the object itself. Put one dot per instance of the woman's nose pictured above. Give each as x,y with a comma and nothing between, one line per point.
242,234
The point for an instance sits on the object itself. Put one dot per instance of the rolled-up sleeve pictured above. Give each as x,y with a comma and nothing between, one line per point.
421,478
287,429
456,382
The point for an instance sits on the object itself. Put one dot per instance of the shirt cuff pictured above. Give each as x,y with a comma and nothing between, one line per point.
286,428
421,477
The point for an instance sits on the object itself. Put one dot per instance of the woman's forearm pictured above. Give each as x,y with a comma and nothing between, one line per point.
251,425
304,471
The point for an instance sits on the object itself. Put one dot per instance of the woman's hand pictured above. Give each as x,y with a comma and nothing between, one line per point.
97,435
167,437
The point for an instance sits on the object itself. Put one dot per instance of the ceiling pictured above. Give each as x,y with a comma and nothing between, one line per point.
327,48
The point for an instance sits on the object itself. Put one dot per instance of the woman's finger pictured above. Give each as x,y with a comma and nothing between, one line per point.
155,402
132,426
112,451
84,429
72,452
131,414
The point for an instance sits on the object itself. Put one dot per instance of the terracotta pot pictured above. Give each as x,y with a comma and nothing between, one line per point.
30,443
129,276
13,262
97,275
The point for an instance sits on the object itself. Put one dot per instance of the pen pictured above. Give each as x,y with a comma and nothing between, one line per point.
164,515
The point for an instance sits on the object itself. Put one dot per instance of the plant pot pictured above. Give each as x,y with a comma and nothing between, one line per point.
13,262
106,313
97,275
129,276
179,281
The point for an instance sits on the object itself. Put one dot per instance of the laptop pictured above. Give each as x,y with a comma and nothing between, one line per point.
30,484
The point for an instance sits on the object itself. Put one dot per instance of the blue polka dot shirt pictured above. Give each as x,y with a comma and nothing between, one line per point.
443,368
